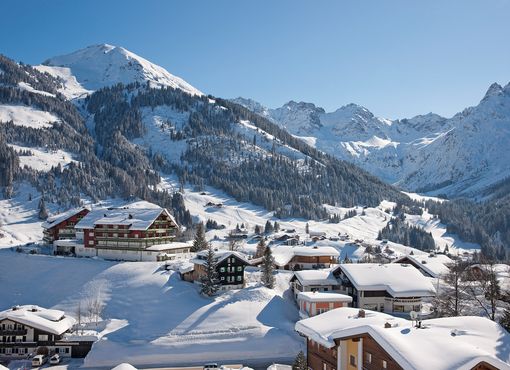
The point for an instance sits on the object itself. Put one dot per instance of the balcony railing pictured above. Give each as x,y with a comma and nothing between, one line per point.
13,332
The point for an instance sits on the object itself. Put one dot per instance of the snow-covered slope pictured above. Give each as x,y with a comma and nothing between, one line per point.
456,156
104,65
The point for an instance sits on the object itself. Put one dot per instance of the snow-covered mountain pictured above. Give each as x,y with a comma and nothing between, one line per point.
103,65
456,156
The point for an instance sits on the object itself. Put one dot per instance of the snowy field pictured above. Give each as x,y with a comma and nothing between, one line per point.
158,319
22,115
42,159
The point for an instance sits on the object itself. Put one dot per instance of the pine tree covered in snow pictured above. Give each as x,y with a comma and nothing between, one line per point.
43,212
210,281
200,243
300,362
261,248
267,276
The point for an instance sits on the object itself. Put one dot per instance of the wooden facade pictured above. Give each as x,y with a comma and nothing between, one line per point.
64,229
19,340
230,271
109,236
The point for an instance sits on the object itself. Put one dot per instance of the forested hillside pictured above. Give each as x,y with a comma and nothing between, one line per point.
94,173
263,164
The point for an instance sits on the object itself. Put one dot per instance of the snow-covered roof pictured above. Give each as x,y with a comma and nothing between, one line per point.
399,280
124,366
279,367
220,255
168,246
56,219
441,344
323,297
51,321
316,277
135,218
186,267
283,254
435,265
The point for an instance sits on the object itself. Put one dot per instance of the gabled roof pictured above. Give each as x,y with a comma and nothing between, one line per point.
445,343
316,277
435,265
51,321
57,219
135,218
220,256
284,254
399,280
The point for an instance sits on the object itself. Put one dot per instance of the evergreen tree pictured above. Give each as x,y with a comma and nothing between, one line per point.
268,229
43,212
210,281
200,243
258,229
261,248
300,362
307,228
504,321
267,276
276,226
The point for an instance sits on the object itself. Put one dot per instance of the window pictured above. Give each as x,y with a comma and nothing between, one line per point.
91,233
222,269
239,278
352,360
384,364
324,366
43,337
91,242
223,278
239,268
368,357
67,350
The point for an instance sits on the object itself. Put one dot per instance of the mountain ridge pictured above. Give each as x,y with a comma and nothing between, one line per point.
427,152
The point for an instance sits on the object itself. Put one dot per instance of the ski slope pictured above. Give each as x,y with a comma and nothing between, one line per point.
159,319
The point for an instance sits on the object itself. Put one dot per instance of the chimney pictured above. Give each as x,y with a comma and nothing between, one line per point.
387,325
361,313
130,216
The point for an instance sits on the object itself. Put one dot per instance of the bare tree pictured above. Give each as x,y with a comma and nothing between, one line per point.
233,245
452,298
484,288
79,316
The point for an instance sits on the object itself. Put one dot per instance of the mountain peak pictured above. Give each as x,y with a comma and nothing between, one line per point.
494,89
102,65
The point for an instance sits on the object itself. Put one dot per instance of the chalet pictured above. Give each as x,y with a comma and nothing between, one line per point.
129,234
316,303
28,330
391,288
292,241
314,281
318,234
431,265
304,258
61,226
348,338
230,266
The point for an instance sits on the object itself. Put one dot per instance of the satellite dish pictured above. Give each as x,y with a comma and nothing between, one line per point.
414,315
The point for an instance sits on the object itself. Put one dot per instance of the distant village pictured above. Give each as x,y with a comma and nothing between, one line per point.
382,311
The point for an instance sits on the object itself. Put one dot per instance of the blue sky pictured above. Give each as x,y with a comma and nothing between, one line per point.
397,58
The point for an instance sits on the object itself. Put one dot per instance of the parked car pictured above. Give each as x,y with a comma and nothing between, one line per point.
55,359
211,366
39,360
